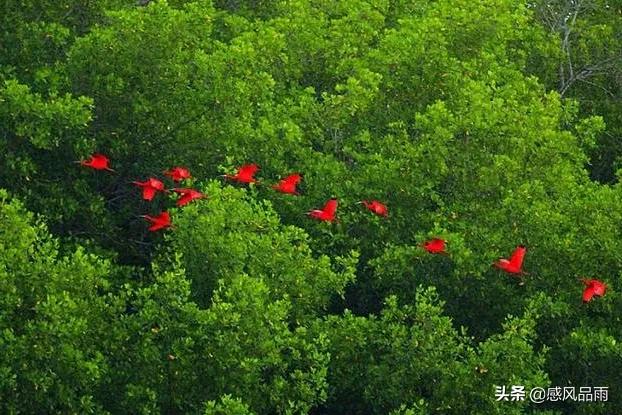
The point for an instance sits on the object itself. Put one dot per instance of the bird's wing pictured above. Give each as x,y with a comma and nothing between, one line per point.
163,219
100,160
155,183
292,180
248,170
379,207
588,293
599,288
438,243
149,193
517,256
178,173
195,194
331,207
501,263
184,200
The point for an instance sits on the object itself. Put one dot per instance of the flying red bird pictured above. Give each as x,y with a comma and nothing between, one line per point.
162,221
245,174
435,246
97,161
515,263
150,187
178,174
376,207
187,196
327,213
593,288
288,184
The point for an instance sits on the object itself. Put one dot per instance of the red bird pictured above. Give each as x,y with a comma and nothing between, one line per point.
592,288
435,246
288,184
178,174
187,196
150,187
97,162
245,174
376,207
515,263
327,213
162,221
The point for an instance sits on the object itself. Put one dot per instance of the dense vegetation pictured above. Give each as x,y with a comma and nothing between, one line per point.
487,123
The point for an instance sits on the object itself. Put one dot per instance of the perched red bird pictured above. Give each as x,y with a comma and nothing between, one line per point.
376,207
150,187
97,161
327,213
187,196
593,288
162,221
288,184
178,174
245,174
435,246
515,263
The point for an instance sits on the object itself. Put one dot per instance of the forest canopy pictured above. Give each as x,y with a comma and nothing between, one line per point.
399,207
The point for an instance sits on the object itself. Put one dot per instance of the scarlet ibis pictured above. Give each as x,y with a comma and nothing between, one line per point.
288,184
515,263
435,246
187,196
178,174
150,187
593,288
327,213
162,221
376,207
97,161
245,174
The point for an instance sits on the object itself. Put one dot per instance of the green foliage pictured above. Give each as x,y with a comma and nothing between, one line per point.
586,65
232,234
240,345
227,406
52,319
413,354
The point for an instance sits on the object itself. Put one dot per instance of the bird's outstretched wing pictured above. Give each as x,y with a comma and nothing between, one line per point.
292,180
516,260
248,171
330,207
